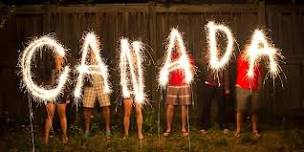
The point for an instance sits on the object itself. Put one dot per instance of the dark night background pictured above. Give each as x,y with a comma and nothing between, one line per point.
151,21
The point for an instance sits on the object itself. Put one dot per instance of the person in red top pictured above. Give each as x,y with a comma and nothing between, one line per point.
178,93
247,93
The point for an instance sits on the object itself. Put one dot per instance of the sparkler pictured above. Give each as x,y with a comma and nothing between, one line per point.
260,47
182,62
128,57
40,93
215,63
91,43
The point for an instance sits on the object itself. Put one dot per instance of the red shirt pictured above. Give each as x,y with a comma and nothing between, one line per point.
242,80
177,77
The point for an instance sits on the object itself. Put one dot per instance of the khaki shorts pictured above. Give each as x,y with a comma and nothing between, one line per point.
178,95
93,93
247,98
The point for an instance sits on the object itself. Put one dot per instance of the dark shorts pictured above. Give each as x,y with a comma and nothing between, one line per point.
60,100
178,95
247,99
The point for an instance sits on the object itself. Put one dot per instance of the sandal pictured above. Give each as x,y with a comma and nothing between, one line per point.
86,135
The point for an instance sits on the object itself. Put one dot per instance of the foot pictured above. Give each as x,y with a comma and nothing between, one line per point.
140,136
226,131
167,133
125,137
86,135
108,134
237,134
185,133
256,134
65,139
203,131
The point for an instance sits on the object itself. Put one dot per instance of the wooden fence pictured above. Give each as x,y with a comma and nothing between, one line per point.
151,23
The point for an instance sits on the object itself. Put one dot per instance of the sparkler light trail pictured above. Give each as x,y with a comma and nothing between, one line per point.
92,44
260,47
183,62
131,57
39,93
215,63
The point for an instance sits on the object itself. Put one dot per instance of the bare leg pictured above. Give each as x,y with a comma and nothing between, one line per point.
184,117
61,109
169,115
87,113
106,116
50,108
239,117
139,120
127,112
254,120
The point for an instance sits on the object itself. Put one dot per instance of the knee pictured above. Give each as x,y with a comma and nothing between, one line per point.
184,108
138,111
86,111
62,115
106,109
50,116
127,113
170,107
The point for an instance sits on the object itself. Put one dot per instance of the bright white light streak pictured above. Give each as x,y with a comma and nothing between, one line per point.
131,57
92,44
260,47
39,93
182,62
215,63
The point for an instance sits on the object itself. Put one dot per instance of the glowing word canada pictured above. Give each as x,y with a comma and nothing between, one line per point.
259,47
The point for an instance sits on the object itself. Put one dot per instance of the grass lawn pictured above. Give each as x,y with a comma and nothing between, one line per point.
272,140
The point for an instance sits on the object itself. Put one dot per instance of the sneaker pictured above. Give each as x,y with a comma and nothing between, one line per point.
86,135
226,131
203,131
108,134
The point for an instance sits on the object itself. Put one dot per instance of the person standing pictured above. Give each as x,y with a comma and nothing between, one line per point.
59,104
128,104
216,86
93,89
178,94
247,93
